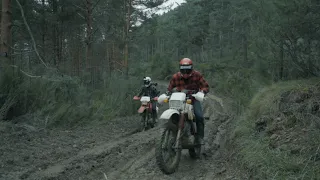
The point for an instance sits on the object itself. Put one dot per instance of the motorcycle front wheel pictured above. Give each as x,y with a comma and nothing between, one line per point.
144,122
152,120
167,157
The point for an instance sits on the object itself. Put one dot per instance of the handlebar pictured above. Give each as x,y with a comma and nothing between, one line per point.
187,91
138,98
191,94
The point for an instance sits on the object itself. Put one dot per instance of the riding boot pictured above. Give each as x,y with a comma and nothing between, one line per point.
200,133
200,122
199,140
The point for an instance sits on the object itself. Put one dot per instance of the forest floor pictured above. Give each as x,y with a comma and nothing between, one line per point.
111,149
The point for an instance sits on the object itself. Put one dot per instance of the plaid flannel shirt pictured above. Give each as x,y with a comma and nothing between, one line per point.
195,82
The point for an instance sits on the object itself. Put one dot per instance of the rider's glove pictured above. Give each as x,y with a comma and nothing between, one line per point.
203,91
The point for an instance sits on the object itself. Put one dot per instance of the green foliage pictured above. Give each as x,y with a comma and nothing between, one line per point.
235,82
260,40
288,145
161,66
63,101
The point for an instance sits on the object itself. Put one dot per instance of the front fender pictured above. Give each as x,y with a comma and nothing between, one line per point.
141,109
168,113
171,123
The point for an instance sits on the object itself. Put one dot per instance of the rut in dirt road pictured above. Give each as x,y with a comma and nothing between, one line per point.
132,157
209,167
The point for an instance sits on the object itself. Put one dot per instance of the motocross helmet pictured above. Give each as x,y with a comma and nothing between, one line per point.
146,81
186,67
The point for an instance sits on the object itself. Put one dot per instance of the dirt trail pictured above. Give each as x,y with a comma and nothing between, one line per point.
126,155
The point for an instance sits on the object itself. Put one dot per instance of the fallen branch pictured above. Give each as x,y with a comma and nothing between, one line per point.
29,30
25,73
105,176
33,76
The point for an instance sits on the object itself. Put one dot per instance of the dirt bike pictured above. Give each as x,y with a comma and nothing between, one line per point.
146,111
180,124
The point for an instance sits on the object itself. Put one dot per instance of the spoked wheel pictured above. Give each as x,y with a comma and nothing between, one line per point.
167,156
144,122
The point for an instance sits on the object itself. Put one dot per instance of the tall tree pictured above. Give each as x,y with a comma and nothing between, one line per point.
6,24
89,30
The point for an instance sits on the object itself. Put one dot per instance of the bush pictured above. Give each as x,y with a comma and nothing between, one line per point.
61,100
278,136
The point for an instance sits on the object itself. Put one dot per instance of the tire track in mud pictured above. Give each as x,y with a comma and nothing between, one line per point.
110,154
209,167
132,156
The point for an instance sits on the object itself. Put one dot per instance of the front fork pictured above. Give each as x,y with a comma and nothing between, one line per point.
145,117
147,114
180,129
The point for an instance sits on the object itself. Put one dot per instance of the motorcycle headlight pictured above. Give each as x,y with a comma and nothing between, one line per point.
174,104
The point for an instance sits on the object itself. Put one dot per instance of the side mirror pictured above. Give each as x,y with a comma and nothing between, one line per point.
156,84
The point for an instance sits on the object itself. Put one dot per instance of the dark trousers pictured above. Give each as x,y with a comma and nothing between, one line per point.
154,110
197,107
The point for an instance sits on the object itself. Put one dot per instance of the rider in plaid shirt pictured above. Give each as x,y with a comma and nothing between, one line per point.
190,79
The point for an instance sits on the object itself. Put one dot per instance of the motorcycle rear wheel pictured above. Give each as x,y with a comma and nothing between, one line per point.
168,166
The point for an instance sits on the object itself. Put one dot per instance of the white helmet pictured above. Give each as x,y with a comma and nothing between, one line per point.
146,81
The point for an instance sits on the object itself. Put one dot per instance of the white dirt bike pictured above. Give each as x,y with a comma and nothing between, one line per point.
180,125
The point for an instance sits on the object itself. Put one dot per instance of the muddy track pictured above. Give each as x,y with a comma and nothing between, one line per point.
130,155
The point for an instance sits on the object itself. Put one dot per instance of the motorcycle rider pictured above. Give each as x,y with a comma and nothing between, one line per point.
190,79
149,89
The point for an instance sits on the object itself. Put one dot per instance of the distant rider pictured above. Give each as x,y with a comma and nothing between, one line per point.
149,89
190,79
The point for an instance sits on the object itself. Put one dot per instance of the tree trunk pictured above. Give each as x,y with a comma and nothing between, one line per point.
43,28
60,39
281,61
310,64
220,45
89,39
245,50
55,34
108,59
89,34
126,38
6,24
233,40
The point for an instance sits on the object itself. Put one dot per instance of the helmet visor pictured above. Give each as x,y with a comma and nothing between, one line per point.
146,82
186,69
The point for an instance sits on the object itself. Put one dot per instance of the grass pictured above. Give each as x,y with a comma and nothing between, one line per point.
65,101
288,147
